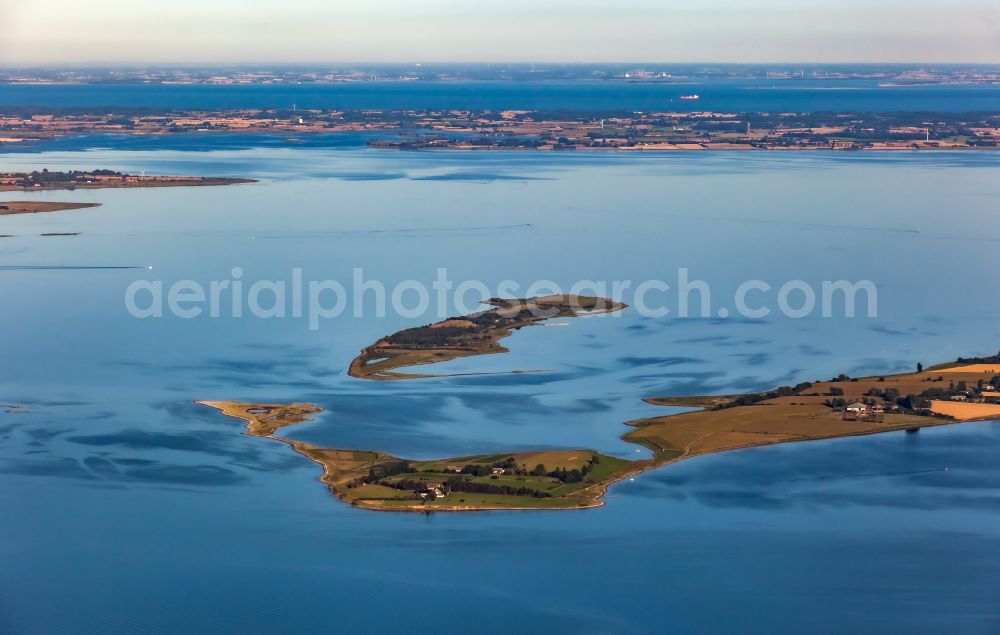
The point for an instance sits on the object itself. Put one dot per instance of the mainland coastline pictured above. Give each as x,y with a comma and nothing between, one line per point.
665,129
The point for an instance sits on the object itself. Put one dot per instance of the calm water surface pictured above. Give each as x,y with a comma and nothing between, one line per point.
129,509
720,95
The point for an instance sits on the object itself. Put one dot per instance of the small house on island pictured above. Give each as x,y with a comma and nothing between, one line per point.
859,411
431,491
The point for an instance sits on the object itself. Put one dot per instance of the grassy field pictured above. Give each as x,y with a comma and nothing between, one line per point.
972,369
708,431
966,411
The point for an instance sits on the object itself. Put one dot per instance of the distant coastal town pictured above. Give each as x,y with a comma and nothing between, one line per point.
887,74
530,130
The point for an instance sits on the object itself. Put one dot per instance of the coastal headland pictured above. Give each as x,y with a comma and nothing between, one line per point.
98,179
85,180
967,390
36,207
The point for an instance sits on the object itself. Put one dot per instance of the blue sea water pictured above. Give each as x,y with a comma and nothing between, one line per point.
128,509
720,95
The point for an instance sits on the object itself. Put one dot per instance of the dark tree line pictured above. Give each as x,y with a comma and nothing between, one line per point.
992,359
752,398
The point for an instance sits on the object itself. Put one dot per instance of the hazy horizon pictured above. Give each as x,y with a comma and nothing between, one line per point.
115,32
541,64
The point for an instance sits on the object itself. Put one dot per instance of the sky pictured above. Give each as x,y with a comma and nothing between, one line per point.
381,31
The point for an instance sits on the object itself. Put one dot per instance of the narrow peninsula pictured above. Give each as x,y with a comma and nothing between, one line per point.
8,208
100,179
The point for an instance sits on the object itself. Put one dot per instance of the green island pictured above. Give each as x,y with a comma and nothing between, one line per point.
468,335
966,390
551,479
